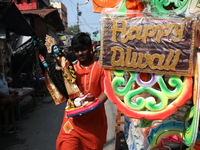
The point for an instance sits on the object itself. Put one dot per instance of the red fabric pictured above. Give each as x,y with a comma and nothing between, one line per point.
90,129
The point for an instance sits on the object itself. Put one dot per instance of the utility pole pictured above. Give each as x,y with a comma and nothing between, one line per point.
79,14
78,28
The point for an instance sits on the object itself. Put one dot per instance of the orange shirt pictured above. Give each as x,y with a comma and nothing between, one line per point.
91,127
91,80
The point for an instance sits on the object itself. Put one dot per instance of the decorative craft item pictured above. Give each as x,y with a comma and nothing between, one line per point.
60,81
152,69
158,136
49,42
148,108
124,6
152,45
183,8
100,4
191,120
180,131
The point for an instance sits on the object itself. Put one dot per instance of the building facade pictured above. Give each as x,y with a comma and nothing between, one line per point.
44,20
63,13
31,4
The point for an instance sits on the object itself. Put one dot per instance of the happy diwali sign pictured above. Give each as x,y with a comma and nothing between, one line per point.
164,46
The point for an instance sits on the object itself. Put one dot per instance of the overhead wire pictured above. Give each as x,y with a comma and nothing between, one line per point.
89,25
86,24
75,13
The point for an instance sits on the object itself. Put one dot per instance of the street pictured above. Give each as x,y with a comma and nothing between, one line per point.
41,124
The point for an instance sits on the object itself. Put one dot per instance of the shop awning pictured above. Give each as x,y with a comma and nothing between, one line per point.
50,15
14,21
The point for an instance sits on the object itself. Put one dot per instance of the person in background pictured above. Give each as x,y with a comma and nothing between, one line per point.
7,96
95,55
87,131
70,55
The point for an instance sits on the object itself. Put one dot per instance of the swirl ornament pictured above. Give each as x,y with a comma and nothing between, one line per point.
191,130
158,135
175,133
165,7
162,102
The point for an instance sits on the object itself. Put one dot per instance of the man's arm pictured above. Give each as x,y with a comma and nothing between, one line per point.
2,95
102,97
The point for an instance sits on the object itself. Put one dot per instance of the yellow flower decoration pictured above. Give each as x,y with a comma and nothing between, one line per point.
49,42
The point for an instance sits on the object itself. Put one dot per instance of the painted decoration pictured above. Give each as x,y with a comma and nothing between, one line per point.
157,136
121,5
73,111
150,65
76,102
191,120
161,101
183,8
166,7
148,50
152,45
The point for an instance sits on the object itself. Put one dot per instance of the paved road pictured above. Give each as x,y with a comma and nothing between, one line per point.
40,126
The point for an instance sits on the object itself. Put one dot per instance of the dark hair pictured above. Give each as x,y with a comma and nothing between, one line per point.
80,40
56,75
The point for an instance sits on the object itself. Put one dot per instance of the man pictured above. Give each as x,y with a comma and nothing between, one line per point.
7,96
87,131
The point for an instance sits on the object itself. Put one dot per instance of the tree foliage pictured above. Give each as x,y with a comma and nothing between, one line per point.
73,29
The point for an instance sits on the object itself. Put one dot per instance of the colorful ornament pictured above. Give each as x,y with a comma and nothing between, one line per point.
148,108
191,129
43,61
171,131
70,112
49,42
77,103
100,4
131,8
181,8
164,94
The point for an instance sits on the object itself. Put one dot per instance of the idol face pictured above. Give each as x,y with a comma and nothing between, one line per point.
55,49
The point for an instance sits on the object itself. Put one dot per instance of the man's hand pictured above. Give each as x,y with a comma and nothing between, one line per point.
83,100
89,97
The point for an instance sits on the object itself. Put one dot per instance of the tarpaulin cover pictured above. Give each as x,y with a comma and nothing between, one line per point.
13,20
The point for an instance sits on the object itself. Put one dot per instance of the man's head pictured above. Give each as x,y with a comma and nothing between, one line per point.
82,47
80,40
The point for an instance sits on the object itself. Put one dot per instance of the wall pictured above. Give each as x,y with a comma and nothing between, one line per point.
25,6
63,13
